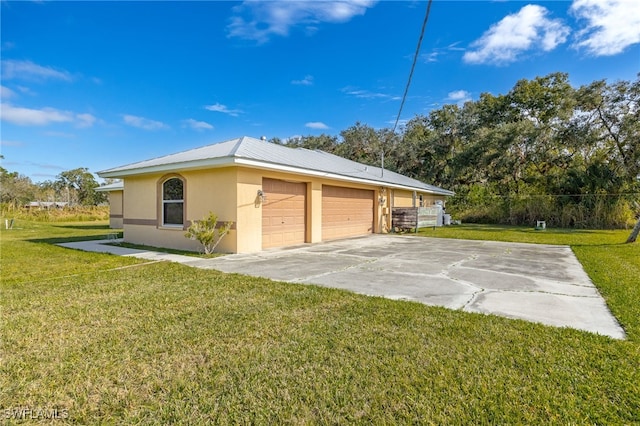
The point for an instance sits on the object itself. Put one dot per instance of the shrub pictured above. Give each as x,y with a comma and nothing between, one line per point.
208,232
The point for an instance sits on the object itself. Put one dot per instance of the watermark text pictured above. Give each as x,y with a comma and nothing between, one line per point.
34,413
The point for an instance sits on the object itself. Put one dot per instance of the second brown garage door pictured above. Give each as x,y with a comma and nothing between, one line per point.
346,212
283,213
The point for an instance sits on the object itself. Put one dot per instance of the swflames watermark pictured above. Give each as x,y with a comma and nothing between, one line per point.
34,413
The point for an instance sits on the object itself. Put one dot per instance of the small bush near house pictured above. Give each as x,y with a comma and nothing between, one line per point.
207,232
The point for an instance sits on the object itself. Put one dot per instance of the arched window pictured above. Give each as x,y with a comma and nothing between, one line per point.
173,202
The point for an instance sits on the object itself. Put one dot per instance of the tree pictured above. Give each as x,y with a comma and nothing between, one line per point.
80,184
15,189
636,229
208,232
634,233
361,143
323,142
614,118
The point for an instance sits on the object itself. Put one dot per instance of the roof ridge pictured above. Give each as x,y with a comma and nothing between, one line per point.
236,147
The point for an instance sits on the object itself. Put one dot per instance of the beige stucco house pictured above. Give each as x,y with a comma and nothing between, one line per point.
114,192
274,196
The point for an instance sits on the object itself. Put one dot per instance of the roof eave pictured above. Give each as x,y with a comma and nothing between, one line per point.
228,161
169,167
336,176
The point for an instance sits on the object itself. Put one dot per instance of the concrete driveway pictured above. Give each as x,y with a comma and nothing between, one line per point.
533,282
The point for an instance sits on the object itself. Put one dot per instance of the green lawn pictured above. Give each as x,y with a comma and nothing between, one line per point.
114,340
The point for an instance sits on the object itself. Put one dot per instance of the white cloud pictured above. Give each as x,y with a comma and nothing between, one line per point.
269,18
42,117
27,70
10,143
224,109
306,81
431,57
34,117
437,52
459,96
197,125
55,134
143,123
366,94
611,25
85,120
316,125
25,90
517,33
6,93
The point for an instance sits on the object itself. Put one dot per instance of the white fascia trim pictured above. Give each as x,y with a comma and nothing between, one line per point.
170,167
120,188
228,161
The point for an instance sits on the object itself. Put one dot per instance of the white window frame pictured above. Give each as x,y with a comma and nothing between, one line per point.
165,202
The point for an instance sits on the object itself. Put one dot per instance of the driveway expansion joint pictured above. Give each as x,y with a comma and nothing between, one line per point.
506,279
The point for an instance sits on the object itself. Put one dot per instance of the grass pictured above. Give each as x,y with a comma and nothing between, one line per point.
521,234
163,343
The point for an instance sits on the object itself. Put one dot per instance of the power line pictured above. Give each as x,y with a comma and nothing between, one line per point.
413,66
523,196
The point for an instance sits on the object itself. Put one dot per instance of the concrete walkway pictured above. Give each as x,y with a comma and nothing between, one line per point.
533,282
105,246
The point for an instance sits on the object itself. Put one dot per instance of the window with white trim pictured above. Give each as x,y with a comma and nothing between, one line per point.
173,202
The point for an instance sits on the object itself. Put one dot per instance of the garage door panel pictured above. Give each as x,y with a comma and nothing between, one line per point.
346,212
283,213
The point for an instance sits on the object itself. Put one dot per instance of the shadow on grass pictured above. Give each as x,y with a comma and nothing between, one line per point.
167,250
103,227
58,240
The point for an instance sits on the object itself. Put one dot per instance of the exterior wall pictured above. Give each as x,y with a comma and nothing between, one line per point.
205,190
115,209
249,217
249,211
403,198
232,193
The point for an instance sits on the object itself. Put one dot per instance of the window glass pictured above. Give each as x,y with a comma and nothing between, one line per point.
172,189
173,213
173,202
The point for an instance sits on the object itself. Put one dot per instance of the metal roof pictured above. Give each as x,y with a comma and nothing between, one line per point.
257,153
116,186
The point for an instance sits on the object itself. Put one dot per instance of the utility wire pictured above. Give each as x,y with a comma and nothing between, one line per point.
413,66
521,196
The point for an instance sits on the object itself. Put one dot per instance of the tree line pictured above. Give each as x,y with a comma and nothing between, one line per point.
543,151
74,187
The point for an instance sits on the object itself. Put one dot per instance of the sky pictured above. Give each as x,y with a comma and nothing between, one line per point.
104,84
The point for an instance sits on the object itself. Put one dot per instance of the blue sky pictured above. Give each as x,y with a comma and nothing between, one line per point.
102,84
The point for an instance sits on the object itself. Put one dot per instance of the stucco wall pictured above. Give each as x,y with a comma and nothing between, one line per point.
405,199
250,212
205,190
232,193
402,198
115,209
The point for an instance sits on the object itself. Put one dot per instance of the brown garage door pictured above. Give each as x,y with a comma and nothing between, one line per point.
283,213
346,212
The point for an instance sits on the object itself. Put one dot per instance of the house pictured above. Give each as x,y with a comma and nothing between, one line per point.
274,196
115,193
